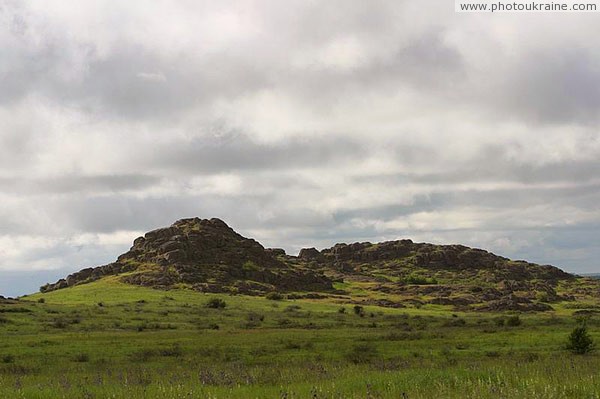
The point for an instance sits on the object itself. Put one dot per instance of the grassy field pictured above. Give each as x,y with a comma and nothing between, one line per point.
111,340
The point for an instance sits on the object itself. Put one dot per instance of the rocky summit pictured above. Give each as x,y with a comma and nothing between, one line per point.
204,255
207,255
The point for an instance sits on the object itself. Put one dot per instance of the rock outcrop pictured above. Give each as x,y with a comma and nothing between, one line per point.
207,255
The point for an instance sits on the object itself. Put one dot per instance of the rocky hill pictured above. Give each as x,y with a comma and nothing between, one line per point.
209,256
205,255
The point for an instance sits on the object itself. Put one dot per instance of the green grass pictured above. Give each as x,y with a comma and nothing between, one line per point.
111,340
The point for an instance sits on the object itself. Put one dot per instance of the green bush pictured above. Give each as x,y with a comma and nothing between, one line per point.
8,359
172,351
250,266
292,308
362,353
274,296
213,326
455,323
81,358
253,316
513,321
579,341
542,296
216,303
59,323
420,280
143,355
359,310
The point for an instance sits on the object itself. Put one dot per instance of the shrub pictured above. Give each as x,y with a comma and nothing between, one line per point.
274,296
216,303
358,309
542,296
292,308
213,326
362,353
17,310
250,324
342,310
173,351
455,323
59,323
579,341
446,352
250,266
530,357
284,322
8,359
298,345
513,321
142,355
41,300
81,358
420,280
253,316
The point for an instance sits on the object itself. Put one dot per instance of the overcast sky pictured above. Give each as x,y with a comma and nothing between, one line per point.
299,123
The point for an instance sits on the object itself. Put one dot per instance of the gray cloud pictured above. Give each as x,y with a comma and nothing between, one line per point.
561,85
76,184
299,124
550,86
238,152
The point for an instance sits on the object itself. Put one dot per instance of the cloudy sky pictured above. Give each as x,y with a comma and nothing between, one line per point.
299,123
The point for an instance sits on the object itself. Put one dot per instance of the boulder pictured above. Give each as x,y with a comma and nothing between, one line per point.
310,254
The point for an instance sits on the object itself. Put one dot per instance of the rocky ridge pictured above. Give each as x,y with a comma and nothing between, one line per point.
207,255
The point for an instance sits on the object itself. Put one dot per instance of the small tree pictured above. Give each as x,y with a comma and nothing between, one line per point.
579,341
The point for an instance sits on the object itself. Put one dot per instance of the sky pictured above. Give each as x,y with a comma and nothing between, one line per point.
299,123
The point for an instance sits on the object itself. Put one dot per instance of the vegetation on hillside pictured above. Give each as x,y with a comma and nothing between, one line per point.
109,339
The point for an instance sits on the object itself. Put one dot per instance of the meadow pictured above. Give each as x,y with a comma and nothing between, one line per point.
112,340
